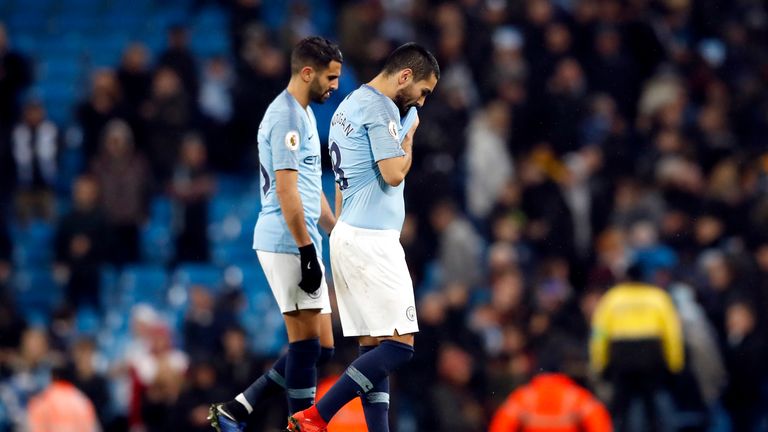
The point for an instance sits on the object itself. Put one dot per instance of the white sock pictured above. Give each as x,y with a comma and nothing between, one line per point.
244,402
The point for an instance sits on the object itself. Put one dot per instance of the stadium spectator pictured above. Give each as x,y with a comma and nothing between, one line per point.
564,105
244,17
35,147
459,245
167,118
455,407
190,412
102,105
16,77
551,402
157,381
135,80
179,58
201,324
487,152
236,367
636,344
30,369
61,407
701,385
62,330
261,76
745,348
125,184
216,104
12,326
87,378
81,243
6,251
612,71
191,187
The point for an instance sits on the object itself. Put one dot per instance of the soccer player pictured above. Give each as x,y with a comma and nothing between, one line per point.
371,153
286,237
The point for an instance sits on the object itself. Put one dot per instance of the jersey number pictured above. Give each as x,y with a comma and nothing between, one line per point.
264,172
336,159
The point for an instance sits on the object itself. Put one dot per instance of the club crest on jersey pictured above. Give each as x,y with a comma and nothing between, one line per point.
393,129
410,313
292,140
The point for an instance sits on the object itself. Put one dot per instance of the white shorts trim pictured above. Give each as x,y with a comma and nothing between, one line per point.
373,286
283,273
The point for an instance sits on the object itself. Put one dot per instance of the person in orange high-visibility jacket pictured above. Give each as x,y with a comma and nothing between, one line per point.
351,418
61,407
551,402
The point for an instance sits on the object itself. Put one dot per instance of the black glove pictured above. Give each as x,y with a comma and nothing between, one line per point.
311,275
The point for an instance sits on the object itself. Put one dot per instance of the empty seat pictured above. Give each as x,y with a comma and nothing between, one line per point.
36,291
144,284
207,275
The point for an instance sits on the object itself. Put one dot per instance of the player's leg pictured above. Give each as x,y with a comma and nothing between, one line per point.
306,323
303,328
388,319
376,401
326,339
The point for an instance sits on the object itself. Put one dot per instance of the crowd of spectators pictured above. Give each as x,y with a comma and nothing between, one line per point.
566,140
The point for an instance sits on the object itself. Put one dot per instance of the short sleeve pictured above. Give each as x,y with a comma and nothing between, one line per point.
285,138
383,126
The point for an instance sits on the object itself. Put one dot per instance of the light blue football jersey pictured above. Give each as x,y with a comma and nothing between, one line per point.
365,129
288,139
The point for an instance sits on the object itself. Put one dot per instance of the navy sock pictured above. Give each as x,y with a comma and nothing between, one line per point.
325,356
358,379
301,374
376,402
268,385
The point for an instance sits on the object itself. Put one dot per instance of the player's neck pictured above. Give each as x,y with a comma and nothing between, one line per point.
384,85
299,92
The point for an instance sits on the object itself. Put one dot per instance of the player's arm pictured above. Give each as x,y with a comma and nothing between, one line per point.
394,170
286,186
286,142
339,201
327,218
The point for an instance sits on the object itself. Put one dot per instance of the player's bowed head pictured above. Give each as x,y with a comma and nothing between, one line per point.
410,73
315,70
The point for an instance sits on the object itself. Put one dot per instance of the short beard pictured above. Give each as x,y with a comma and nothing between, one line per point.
316,94
401,101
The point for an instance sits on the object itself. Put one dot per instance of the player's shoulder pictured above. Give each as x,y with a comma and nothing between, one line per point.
282,111
281,104
374,104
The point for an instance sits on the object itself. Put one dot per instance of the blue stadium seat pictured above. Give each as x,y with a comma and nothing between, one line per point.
189,274
33,243
225,253
75,21
233,186
156,242
27,43
211,17
87,321
125,21
144,284
59,73
161,210
36,291
25,21
209,42
109,290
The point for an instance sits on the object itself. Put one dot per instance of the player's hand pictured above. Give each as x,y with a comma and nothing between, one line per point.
311,274
414,126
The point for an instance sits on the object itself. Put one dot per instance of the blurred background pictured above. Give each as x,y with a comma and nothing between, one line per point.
566,140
